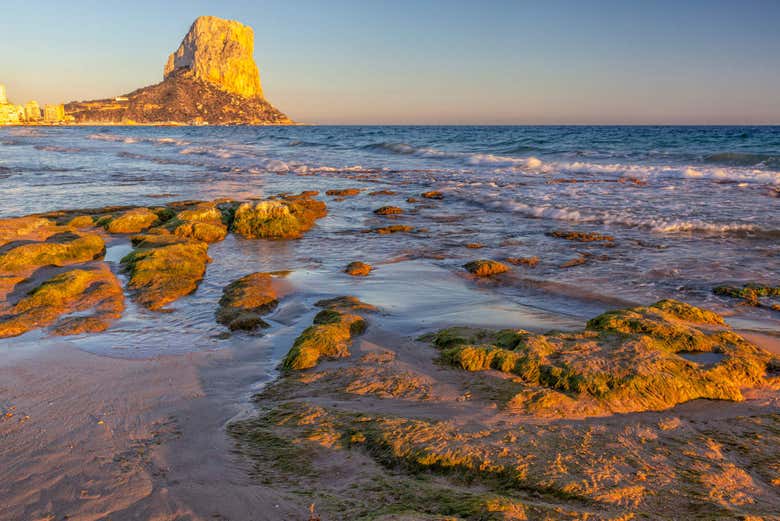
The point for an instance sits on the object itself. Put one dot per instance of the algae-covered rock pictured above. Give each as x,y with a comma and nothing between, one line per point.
358,269
346,192
531,262
59,250
130,221
626,360
245,300
393,228
581,236
286,218
75,291
329,335
201,222
433,194
389,210
164,268
485,267
29,228
751,293
81,221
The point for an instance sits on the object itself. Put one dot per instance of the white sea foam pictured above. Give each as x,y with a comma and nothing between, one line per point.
130,140
655,224
534,165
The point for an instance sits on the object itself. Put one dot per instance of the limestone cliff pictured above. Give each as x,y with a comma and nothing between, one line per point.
210,79
221,52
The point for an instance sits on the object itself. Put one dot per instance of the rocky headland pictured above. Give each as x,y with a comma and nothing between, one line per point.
211,79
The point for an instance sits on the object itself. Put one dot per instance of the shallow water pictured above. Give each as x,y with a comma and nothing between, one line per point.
688,207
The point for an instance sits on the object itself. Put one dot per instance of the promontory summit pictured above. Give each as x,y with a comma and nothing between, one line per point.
211,79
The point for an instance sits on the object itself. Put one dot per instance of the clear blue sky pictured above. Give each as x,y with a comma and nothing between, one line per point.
425,61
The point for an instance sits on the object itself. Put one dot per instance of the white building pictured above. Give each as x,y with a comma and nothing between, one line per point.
3,98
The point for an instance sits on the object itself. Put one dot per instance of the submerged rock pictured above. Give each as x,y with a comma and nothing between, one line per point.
393,228
286,218
581,236
346,192
358,269
531,262
485,267
245,300
72,292
624,361
751,293
389,210
329,335
164,268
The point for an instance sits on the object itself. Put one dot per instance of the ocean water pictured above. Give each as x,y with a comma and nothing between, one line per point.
688,207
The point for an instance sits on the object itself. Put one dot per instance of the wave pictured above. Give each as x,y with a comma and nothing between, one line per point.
130,140
744,159
654,224
466,157
534,165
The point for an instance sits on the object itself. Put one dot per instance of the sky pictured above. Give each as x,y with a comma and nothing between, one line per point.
425,61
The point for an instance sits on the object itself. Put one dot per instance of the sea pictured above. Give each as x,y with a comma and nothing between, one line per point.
688,208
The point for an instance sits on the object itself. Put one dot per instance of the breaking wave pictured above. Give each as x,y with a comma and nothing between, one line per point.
654,224
130,140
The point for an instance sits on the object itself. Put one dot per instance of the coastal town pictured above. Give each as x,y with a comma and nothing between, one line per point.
30,113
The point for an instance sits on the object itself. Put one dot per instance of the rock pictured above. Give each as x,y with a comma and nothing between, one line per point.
81,221
164,268
346,192
130,221
74,291
210,79
393,228
624,361
750,293
376,193
285,218
59,250
202,222
582,258
30,228
220,52
531,262
245,300
433,194
485,267
474,245
328,336
358,269
389,210
581,236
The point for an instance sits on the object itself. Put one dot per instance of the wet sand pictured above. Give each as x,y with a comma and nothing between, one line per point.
92,437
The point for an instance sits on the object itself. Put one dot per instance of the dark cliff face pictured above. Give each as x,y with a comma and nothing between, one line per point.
179,99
